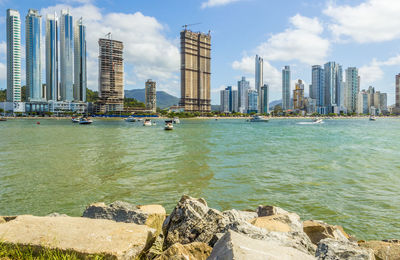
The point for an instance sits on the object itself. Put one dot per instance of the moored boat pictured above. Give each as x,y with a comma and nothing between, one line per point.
169,125
3,119
372,118
176,120
130,119
85,121
258,118
147,122
75,120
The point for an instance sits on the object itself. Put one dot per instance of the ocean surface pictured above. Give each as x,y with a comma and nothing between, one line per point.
344,172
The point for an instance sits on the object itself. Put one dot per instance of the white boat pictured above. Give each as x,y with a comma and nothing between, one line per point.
85,121
259,119
75,120
314,122
372,118
318,121
130,119
147,122
176,120
168,125
154,123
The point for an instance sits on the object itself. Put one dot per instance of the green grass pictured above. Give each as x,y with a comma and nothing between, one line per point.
11,252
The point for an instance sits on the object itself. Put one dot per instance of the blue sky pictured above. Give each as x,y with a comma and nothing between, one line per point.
361,33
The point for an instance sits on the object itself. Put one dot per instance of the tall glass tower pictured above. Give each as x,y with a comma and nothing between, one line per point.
52,57
333,86
13,56
286,88
243,89
66,56
352,89
80,82
317,87
259,80
33,27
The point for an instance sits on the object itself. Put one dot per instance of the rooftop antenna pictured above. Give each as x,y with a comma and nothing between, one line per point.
188,25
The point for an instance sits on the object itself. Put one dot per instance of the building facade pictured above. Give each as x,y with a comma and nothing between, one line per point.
235,101
334,95
151,96
318,88
243,89
52,90
224,100
298,96
265,99
286,88
13,56
351,89
259,79
33,25
253,101
195,71
111,76
362,103
80,76
66,56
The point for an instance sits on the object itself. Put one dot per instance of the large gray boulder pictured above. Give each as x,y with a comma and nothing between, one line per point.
150,215
265,211
82,236
331,249
240,247
193,221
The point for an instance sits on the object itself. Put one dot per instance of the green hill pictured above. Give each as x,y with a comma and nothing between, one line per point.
164,99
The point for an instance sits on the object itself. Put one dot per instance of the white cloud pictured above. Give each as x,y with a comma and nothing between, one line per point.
212,3
373,72
147,52
371,21
302,42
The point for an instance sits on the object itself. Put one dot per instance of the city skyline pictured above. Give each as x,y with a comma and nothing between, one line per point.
375,55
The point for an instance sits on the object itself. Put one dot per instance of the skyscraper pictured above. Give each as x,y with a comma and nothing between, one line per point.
111,76
265,99
259,80
235,101
333,87
52,57
33,25
243,89
80,80
151,96
351,89
195,71
286,88
13,56
253,101
318,87
224,104
66,56
298,95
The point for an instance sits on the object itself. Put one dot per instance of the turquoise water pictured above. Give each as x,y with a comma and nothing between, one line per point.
344,172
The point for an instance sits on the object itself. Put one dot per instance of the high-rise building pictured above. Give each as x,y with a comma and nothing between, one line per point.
351,89
52,92
151,96
66,56
253,101
13,56
243,89
33,25
195,71
362,103
229,100
298,95
225,98
398,91
286,88
333,87
265,99
80,69
259,79
235,101
318,88
111,76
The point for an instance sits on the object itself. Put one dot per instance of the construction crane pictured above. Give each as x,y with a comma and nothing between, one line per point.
108,35
187,25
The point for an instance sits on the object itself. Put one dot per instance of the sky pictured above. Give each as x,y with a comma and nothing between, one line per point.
354,33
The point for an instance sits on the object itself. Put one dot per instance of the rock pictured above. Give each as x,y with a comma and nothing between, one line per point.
239,247
2,220
82,236
55,214
157,248
192,251
331,249
238,215
383,249
150,215
318,230
192,221
279,222
264,211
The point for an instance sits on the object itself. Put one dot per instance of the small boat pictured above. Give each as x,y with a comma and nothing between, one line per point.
85,121
75,120
318,121
176,120
154,123
3,119
130,119
168,125
259,119
147,122
140,119
372,118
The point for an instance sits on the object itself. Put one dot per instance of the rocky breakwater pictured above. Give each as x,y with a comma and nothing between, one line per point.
191,231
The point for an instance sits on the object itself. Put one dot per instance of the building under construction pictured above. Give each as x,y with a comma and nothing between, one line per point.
151,96
195,71
111,76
